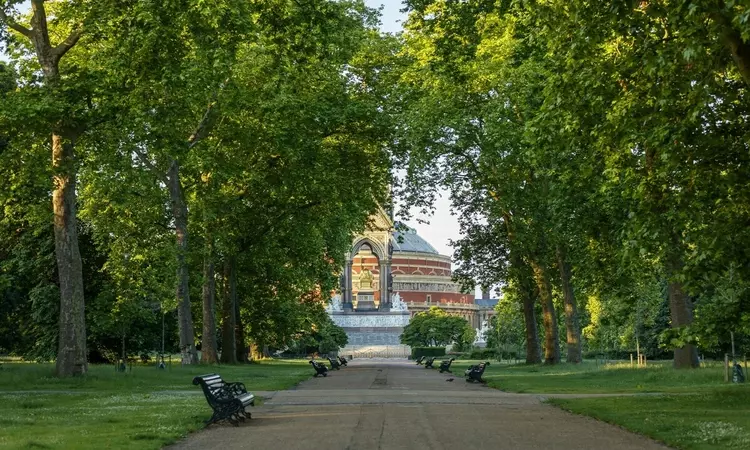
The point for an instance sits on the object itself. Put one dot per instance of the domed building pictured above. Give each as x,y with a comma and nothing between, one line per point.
391,274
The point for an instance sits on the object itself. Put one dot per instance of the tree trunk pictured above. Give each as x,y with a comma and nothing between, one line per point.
228,320
71,352
681,311
527,298
525,289
551,340
738,48
208,342
571,310
184,314
239,334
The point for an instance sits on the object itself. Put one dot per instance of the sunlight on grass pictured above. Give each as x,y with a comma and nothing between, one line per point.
143,408
715,418
590,377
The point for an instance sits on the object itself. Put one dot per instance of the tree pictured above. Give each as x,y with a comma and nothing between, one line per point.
435,328
65,127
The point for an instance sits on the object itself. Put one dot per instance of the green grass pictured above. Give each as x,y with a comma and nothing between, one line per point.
718,418
591,378
140,409
697,411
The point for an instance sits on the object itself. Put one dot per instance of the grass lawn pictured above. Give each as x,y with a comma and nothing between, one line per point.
709,420
139,409
591,378
697,411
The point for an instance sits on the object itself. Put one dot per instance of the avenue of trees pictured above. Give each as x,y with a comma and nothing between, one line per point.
597,157
196,169
206,162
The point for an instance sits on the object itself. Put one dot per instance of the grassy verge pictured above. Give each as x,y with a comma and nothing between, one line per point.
709,420
140,409
591,378
696,411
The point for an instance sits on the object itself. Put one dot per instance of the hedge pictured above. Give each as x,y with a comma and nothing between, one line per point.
416,352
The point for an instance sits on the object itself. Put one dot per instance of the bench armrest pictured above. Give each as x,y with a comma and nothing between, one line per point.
236,388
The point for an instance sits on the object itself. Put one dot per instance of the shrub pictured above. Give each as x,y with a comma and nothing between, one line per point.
483,353
416,352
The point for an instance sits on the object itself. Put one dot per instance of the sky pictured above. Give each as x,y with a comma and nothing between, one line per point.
442,225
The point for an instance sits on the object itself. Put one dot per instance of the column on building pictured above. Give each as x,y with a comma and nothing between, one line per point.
385,300
347,303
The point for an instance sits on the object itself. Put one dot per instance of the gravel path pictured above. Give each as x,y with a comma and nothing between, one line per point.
390,405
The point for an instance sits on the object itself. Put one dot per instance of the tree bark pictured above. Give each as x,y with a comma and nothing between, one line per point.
526,292
71,351
209,353
680,306
229,320
681,312
239,333
738,48
184,314
551,339
571,310
533,356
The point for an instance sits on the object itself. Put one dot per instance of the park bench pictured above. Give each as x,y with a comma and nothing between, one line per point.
420,360
320,369
334,363
445,366
342,360
474,373
428,363
228,400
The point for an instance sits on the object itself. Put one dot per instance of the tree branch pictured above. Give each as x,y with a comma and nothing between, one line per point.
14,25
201,130
62,48
245,246
146,162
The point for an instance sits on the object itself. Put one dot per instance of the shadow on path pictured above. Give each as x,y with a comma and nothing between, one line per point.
395,404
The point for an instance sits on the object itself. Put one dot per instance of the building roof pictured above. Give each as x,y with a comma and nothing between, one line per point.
407,240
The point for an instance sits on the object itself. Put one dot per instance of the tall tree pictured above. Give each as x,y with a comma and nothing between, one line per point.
65,129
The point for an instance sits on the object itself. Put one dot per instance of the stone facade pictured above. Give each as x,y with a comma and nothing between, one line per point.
387,260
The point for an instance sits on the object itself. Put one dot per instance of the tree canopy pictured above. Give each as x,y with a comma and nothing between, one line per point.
436,328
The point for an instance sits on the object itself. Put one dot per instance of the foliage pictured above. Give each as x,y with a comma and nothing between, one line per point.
433,328
619,150
265,131
324,337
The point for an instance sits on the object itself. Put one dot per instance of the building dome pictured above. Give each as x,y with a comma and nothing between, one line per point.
407,240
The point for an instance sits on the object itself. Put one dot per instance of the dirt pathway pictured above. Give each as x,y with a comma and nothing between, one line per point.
392,405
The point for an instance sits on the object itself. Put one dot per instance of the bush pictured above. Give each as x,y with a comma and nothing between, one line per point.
416,352
483,353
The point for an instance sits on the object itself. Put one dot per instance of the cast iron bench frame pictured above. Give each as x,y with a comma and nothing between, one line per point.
445,366
342,360
420,360
320,369
428,363
334,363
474,373
228,400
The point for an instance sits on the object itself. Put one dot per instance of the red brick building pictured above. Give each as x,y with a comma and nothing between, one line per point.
419,274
